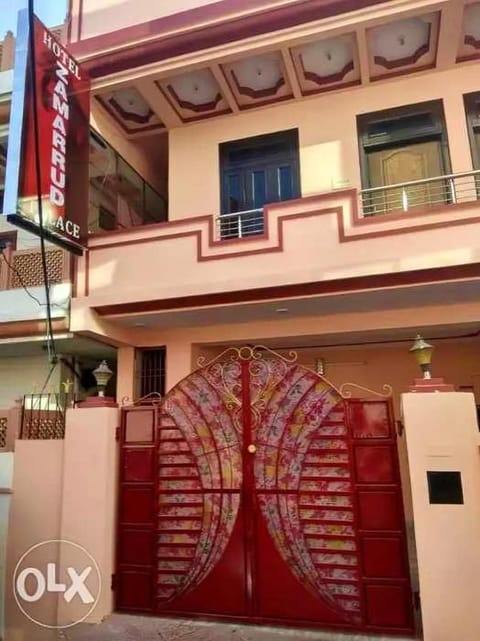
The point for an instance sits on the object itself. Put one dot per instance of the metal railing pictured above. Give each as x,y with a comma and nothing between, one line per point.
3,428
241,224
450,189
10,422
43,415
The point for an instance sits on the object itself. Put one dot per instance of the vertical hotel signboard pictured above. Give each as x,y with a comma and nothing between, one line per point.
63,105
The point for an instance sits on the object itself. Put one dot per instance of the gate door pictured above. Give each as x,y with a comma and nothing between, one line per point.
267,496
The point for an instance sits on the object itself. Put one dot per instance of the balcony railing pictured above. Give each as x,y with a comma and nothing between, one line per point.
10,422
241,224
450,189
23,268
43,415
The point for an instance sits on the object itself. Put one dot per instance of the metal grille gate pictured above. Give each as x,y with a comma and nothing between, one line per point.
256,491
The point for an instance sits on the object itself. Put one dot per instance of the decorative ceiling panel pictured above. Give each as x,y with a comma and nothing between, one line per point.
258,80
403,46
470,41
194,95
327,64
130,110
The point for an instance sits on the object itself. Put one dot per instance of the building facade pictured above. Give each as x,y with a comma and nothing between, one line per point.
271,177
24,359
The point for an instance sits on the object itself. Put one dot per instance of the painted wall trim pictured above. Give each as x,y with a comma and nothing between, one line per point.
316,288
20,329
108,53
122,237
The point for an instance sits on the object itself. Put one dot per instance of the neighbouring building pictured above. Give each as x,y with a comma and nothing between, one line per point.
299,175
25,369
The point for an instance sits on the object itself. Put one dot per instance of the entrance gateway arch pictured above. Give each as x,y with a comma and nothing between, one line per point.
256,491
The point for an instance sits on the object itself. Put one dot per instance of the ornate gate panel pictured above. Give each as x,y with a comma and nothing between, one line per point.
275,499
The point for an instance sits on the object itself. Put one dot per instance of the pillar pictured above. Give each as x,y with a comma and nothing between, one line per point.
35,515
442,441
126,383
6,475
89,498
178,362
458,144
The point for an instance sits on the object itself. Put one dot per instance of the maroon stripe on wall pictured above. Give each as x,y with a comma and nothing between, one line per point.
341,285
201,37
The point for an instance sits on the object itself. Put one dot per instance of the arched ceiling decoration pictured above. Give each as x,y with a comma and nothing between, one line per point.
240,80
404,45
258,80
194,95
130,110
327,64
469,48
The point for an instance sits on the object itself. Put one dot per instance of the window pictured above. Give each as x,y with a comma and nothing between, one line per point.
472,108
151,372
254,172
401,146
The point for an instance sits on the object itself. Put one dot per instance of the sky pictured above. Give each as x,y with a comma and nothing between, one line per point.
50,12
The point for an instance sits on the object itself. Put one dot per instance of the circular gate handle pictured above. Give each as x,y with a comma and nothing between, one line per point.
252,448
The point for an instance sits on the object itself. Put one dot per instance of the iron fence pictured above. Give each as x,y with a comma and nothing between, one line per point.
43,415
241,224
3,431
450,189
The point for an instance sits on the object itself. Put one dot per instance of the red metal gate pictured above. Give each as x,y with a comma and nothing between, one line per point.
256,491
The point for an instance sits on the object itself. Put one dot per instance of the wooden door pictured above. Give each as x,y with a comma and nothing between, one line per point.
405,164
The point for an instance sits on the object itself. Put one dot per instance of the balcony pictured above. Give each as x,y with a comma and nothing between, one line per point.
22,292
119,198
410,198
241,224
430,193
314,244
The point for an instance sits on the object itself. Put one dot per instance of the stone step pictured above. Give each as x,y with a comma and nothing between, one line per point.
122,627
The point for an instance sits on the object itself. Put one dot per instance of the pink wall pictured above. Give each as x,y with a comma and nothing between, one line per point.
457,361
311,249
65,490
35,515
442,435
89,497
316,245
103,16
329,155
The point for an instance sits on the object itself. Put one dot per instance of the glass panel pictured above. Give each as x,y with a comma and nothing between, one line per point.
285,183
119,197
155,206
234,194
129,187
476,138
259,195
229,227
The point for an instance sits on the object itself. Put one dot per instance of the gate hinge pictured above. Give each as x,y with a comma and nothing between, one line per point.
117,433
113,582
